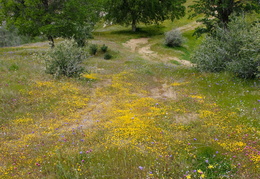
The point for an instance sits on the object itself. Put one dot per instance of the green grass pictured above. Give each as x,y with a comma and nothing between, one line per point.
129,118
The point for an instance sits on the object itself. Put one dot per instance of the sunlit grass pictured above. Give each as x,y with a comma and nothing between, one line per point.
127,117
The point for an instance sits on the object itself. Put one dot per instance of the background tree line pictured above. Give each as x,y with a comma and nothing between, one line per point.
75,19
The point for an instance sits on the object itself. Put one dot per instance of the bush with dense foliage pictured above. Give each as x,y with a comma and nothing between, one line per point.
104,48
107,56
65,59
173,38
235,49
93,48
10,37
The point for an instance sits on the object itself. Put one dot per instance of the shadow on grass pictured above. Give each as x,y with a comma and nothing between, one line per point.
146,31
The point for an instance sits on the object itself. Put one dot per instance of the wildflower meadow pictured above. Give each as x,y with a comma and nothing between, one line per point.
136,115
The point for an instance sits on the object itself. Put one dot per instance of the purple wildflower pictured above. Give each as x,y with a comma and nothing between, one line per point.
141,168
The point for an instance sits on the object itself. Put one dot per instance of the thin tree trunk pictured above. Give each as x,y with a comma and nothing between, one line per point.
50,38
134,25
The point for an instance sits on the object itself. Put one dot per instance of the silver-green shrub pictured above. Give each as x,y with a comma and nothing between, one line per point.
173,38
235,49
65,59
10,37
246,59
210,56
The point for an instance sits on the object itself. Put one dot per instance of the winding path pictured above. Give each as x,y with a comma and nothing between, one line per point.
143,47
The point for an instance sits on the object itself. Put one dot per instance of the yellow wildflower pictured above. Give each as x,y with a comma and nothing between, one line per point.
188,176
90,76
179,83
200,171
197,97
210,166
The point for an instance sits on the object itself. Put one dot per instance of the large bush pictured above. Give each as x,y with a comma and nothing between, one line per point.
65,59
10,37
235,49
173,38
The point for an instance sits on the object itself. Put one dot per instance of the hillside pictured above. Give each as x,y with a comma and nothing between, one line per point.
145,113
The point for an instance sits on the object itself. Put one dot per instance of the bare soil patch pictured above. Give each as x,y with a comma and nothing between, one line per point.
143,47
134,43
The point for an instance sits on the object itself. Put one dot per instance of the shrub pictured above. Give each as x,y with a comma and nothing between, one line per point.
107,56
210,56
11,37
173,38
82,33
65,59
104,48
234,49
245,59
93,49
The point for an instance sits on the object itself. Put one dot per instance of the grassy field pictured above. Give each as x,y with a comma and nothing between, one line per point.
131,117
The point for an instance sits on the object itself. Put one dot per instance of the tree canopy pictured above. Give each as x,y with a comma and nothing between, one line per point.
132,12
217,12
59,18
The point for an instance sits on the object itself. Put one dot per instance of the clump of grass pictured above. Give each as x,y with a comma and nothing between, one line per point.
107,56
104,48
175,62
14,67
93,48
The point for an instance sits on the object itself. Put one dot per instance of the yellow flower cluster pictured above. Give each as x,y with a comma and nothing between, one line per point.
91,76
206,114
23,121
179,83
256,159
232,146
197,97
58,95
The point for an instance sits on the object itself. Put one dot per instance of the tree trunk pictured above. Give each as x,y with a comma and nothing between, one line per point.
226,11
134,25
50,38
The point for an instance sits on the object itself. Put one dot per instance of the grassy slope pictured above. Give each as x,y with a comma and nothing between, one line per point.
132,119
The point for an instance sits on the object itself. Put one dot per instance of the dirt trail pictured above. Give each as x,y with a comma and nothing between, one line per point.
143,47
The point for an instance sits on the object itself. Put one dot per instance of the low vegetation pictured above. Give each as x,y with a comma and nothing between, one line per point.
65,59
141,114
174,38
104,48
10,37
107,56
93,48
234,49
